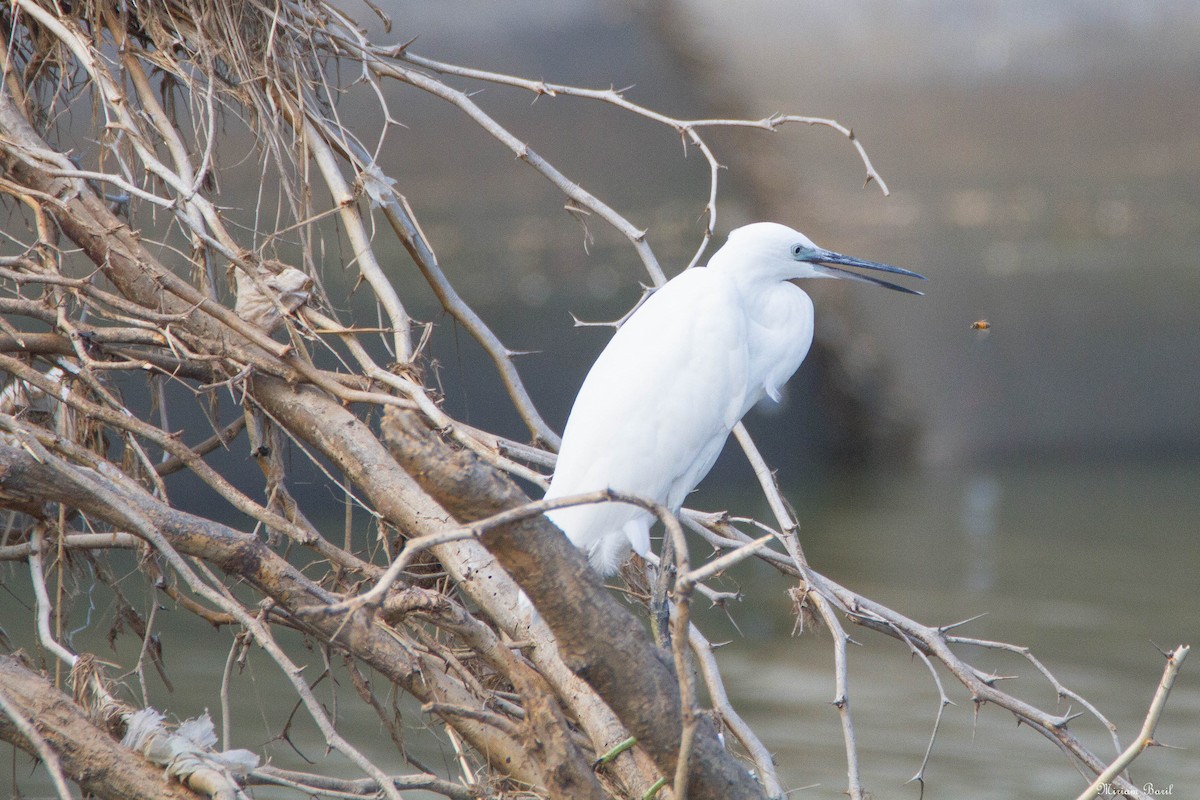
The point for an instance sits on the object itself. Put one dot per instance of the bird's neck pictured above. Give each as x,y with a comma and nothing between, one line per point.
753,274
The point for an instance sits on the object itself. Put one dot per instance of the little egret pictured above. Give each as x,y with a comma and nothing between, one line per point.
660,401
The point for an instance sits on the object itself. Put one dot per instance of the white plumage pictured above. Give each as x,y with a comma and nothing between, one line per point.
657,406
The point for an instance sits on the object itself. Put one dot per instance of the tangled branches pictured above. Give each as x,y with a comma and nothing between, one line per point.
124,278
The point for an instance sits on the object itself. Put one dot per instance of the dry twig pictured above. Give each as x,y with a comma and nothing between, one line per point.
100,292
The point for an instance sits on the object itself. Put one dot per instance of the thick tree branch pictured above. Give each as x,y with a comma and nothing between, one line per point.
89,756
97,291
23,477
600,639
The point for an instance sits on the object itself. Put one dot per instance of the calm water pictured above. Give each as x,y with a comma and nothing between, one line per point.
1080,248
1090,566
1081,564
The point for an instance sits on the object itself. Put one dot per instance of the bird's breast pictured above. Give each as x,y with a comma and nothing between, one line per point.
779,334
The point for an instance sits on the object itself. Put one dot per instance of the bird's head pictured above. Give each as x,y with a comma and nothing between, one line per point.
767,250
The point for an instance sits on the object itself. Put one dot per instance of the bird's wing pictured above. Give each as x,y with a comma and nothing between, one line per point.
660,400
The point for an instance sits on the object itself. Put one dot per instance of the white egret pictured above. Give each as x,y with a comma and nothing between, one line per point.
660,401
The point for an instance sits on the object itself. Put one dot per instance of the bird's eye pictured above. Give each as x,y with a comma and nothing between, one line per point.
797,250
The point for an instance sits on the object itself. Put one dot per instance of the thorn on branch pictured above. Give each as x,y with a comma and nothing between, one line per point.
400,50
579,323
1062,722
943,629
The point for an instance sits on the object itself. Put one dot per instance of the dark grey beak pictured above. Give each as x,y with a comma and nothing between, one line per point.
823,260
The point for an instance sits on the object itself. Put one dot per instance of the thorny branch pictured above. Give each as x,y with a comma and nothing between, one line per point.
1145,737
115,326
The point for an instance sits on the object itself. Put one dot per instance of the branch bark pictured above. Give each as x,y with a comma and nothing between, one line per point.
89,756
600,640
24,477
530,710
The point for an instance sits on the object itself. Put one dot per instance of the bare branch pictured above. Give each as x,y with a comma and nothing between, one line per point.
81,751
1145,737
112,302
26,728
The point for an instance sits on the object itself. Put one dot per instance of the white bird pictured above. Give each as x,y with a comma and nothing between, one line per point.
657,406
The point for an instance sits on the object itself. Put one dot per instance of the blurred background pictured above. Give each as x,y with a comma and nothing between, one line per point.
1044,167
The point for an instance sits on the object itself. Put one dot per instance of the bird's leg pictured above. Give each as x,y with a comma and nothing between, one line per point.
659,573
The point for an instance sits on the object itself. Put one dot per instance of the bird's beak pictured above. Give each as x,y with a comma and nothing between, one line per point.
823,261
